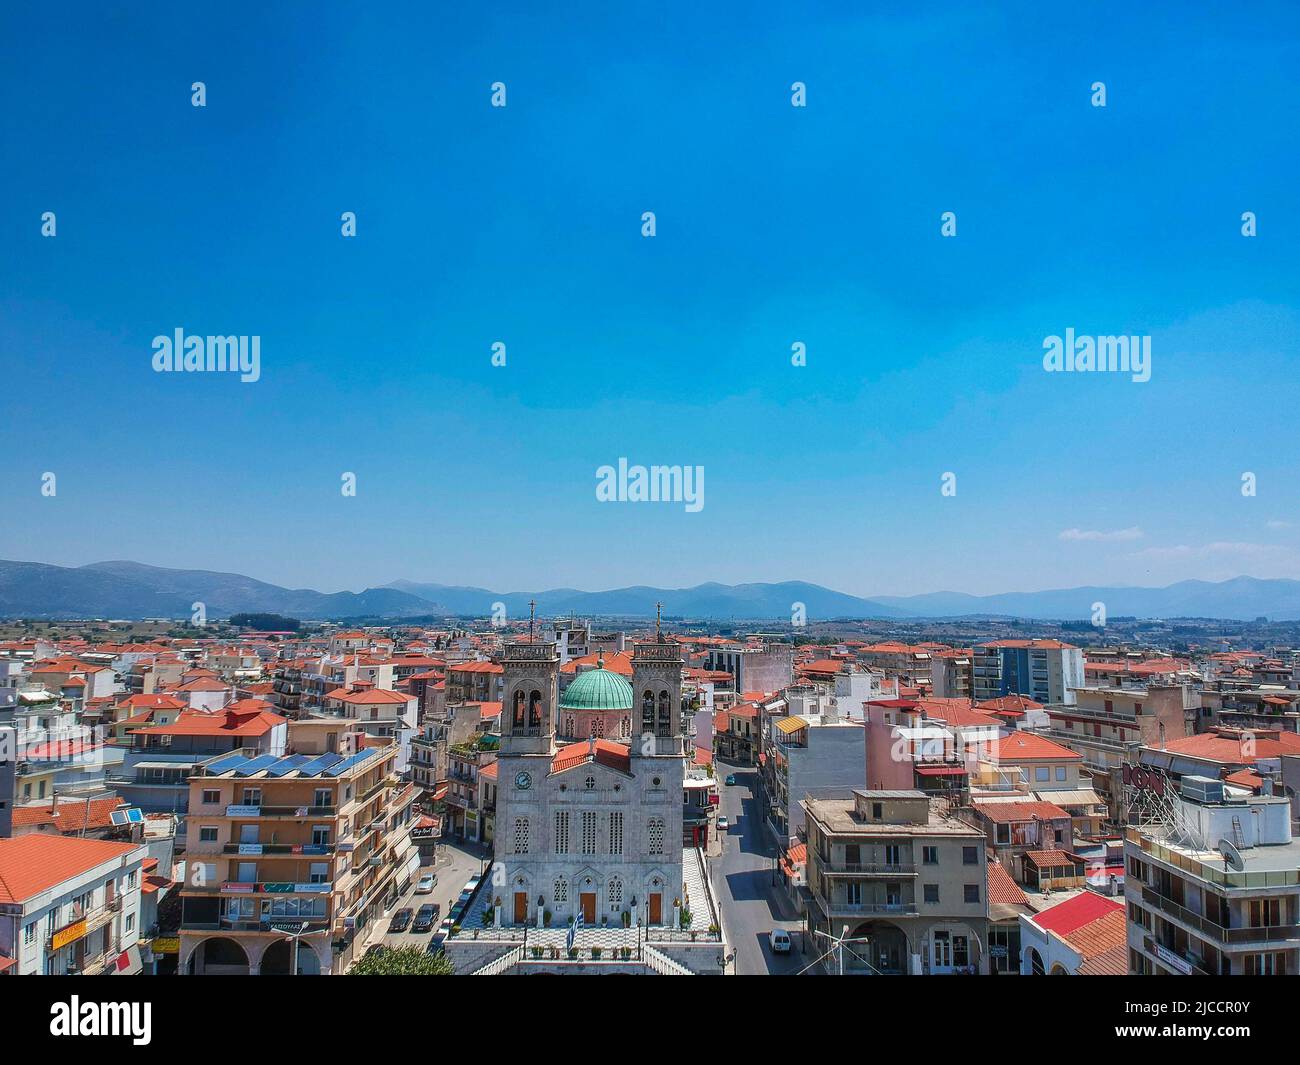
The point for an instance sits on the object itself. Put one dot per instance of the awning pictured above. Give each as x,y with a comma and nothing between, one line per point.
1080,797
166,765
791,724
127,963
941,770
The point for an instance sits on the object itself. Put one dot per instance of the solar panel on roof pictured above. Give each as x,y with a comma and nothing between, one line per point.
118,817
134,815
319,764
348,763
287,765
224,765
263,761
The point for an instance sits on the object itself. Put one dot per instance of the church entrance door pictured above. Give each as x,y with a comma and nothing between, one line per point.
656,909
588,901
521,907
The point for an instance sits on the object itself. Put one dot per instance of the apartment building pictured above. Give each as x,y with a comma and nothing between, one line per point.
1107,726
1047,671
1213,885
292,857
69,906
909,883
756,668
804,756
950,674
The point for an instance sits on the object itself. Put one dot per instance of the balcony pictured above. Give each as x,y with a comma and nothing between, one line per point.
236,810
83,923
273,849
867,868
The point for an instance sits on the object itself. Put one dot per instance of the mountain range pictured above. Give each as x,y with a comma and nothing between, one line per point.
135,590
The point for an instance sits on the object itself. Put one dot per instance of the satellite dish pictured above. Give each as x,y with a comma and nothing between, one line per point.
1231,855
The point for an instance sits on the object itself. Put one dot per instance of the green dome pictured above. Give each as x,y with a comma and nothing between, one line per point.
597,689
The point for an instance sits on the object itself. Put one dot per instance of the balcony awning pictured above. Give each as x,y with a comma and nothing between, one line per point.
791,724
941,770
1079,797
127,963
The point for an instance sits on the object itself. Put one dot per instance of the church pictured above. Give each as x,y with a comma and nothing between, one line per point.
593,827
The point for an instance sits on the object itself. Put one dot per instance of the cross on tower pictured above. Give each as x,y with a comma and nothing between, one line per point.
532,607
658,615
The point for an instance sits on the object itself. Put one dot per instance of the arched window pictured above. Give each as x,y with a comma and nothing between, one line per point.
519,710
655,834
561,890
665,714
521,835
648,711
535,709
569,726
615,895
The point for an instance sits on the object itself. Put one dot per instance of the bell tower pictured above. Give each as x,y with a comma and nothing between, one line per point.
531,683
657,698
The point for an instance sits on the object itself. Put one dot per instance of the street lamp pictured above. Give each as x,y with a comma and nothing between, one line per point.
294,933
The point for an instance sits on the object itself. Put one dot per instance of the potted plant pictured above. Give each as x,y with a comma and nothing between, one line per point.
555,953
546,918
626,952
595,953
573,954
536,952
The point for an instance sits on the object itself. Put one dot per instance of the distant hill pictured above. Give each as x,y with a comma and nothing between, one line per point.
134,590
1241,599
748,601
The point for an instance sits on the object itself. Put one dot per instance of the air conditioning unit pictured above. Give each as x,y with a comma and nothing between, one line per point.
1202,790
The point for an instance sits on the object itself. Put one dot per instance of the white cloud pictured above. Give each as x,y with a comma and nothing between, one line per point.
1098,535
1278,524
1217,549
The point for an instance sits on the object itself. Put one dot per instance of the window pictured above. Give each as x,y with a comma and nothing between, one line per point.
853,893
252,797
211,796
960,951
877,810
560,890
930,855
1042,772
931,892
970,893
615,895
589,783
1060,772
320,873
29,934
207,833
323,797
561,831
521,835
616,833
320,835
130,922
893,854
655,833
588,832
970,856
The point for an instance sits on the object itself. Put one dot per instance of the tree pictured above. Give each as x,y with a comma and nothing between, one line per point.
402,961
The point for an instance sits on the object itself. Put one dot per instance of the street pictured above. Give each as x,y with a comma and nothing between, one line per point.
742,881
455,864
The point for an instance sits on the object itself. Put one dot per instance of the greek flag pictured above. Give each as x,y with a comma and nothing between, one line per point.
574,925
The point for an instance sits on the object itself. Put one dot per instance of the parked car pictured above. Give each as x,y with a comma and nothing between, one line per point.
425,919
723,824
426,883
376,950
439,937
731,780
779,940
401,920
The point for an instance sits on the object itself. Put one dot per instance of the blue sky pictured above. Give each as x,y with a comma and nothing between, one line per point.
775,224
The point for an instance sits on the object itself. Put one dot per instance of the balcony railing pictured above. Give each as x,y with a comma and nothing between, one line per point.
868,868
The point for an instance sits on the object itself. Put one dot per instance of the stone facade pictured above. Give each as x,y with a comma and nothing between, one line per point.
592,827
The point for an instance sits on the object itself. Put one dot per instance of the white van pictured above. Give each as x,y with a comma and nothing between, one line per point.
779,940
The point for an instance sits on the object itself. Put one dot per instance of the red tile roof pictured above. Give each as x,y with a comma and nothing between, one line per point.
619,662
1030,747
1002,889
35,863
69,816
1075,912
217,723
606,752
1007,812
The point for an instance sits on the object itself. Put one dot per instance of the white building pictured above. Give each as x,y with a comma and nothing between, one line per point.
69,905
